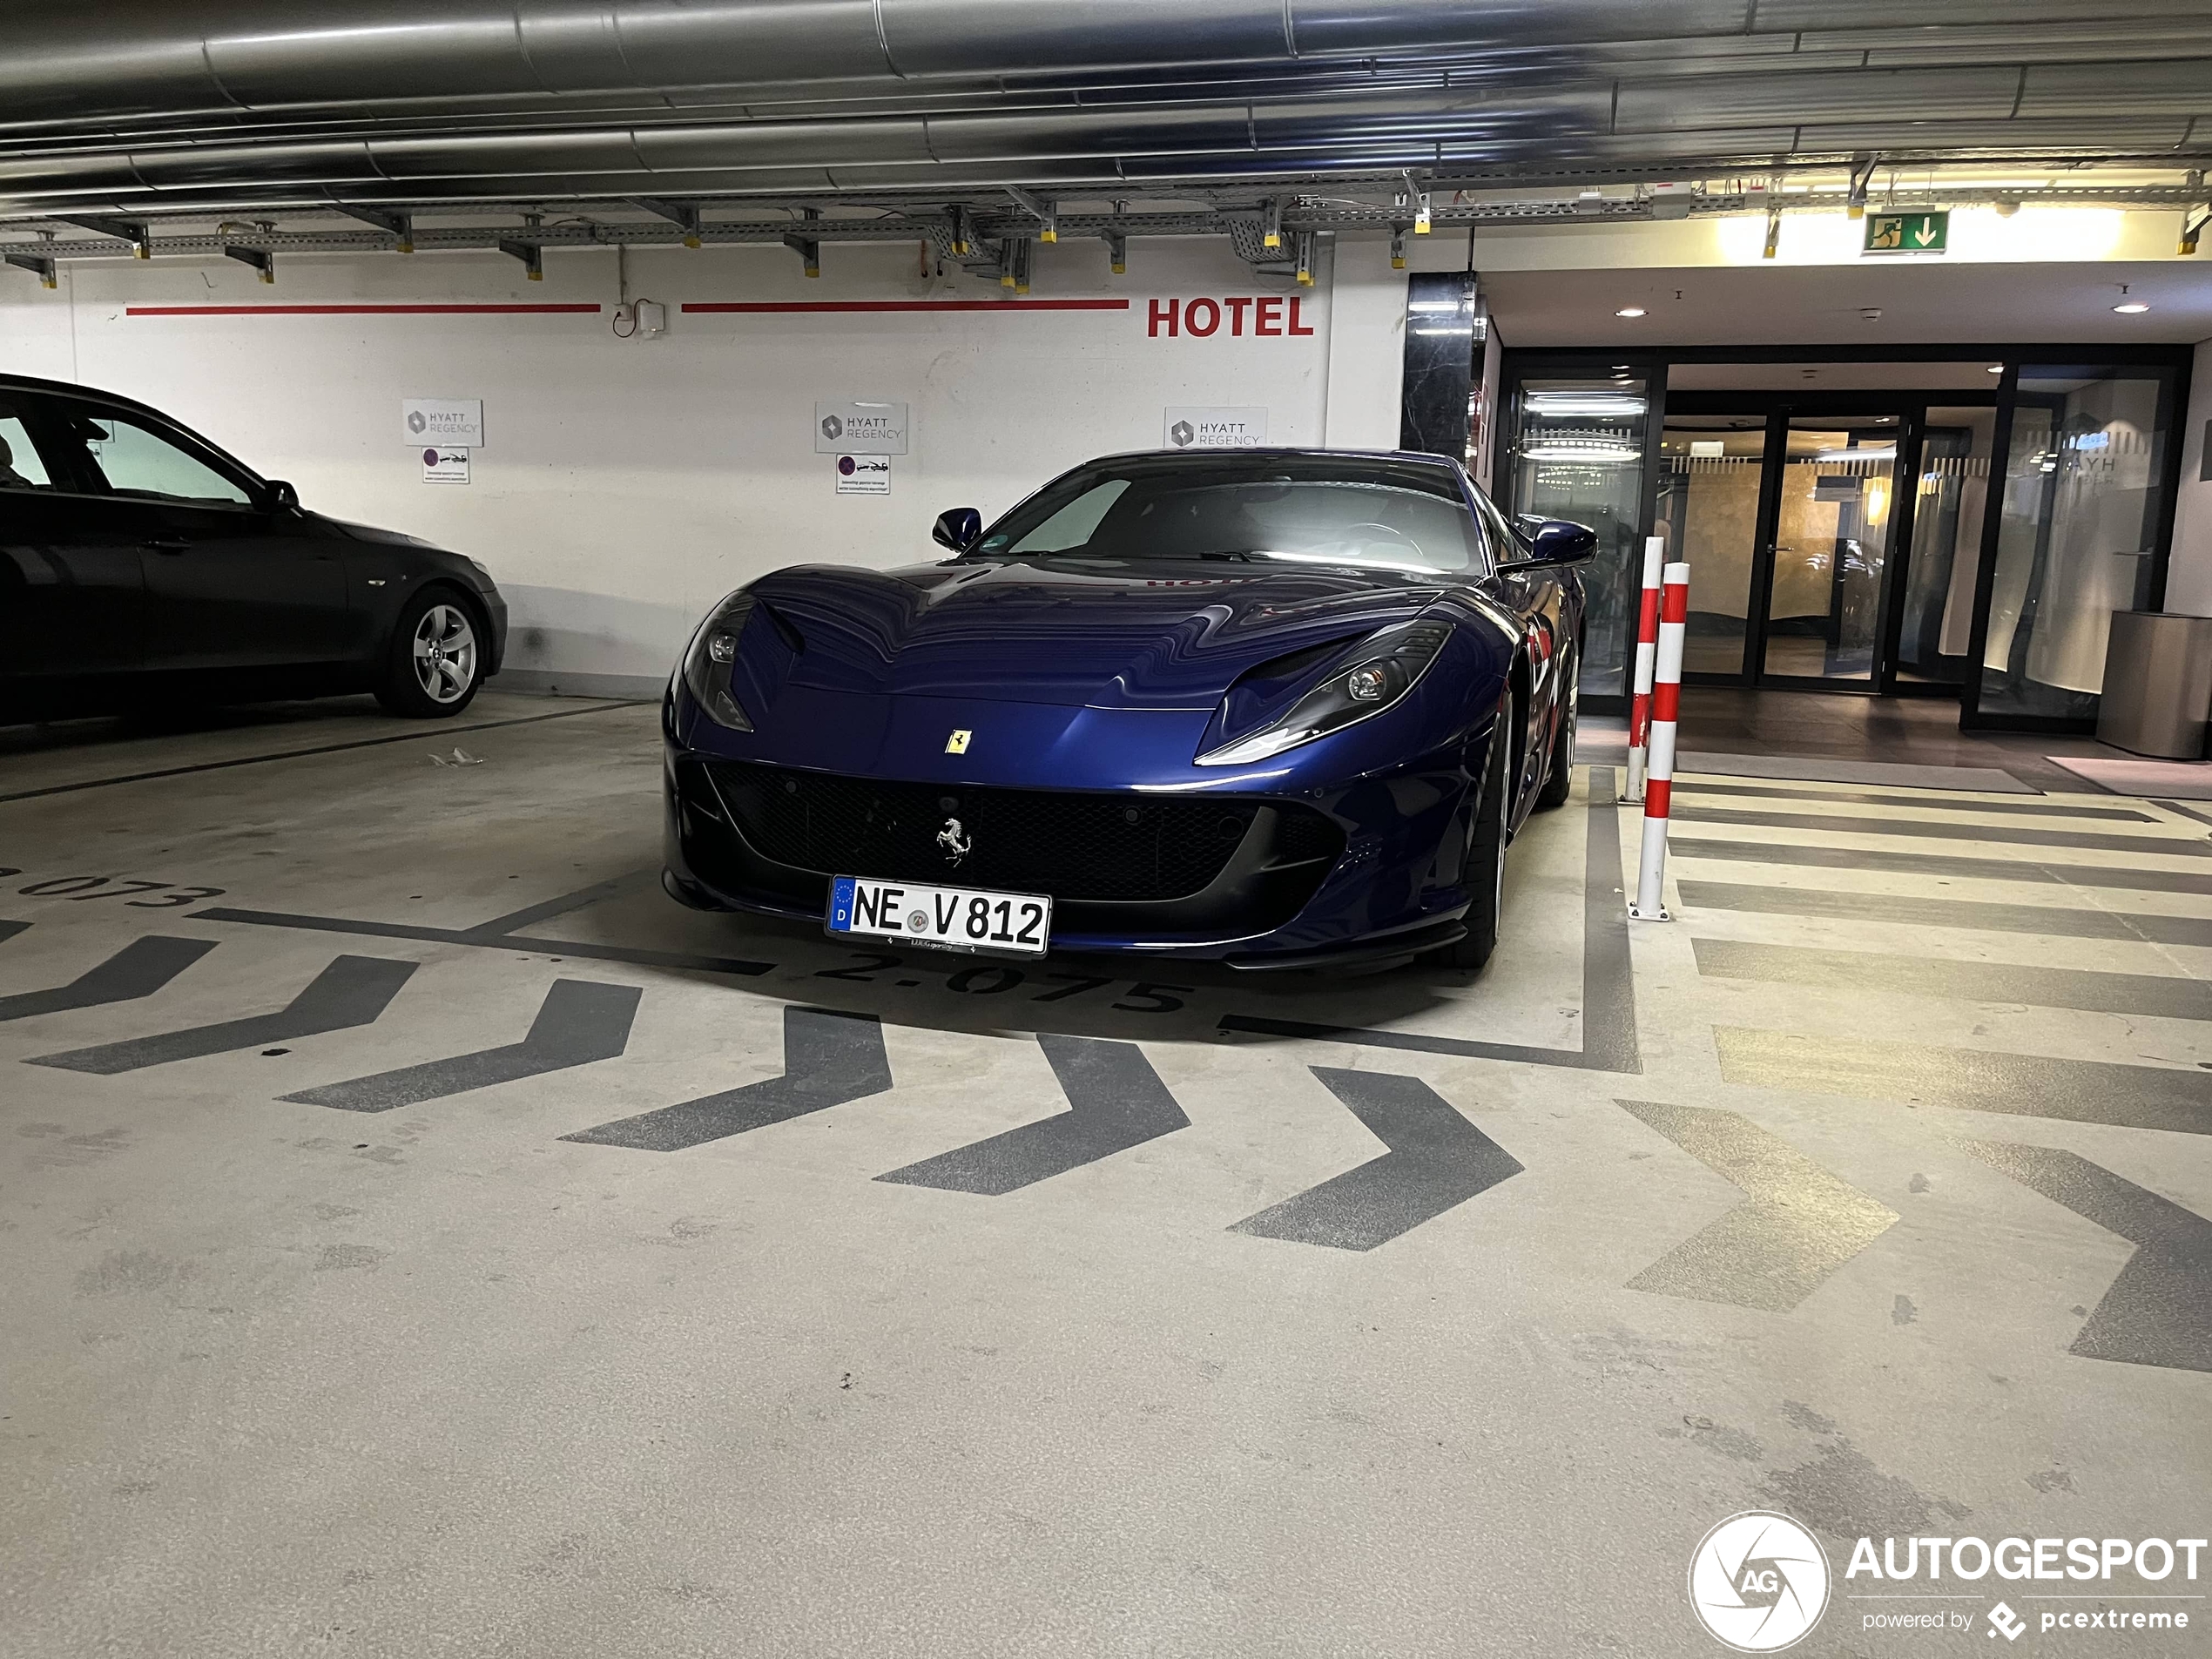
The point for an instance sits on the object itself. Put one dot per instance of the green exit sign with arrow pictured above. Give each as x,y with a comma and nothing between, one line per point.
1907,233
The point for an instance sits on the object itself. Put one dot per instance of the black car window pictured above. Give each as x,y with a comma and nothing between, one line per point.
20,465
1299,510
132,459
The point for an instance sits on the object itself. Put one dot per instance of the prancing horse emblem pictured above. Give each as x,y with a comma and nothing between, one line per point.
956,845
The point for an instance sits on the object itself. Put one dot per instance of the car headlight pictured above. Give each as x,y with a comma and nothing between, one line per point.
1391,664
711,656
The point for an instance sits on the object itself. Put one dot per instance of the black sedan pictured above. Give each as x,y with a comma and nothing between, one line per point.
141,566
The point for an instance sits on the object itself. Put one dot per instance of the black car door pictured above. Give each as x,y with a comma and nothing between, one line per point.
69,596
232,580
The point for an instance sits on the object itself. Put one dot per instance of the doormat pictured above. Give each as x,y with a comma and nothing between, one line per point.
2177,779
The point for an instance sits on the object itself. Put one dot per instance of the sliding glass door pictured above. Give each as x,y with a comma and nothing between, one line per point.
1786,520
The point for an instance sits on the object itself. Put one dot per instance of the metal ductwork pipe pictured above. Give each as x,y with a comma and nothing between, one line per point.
156,59
174,105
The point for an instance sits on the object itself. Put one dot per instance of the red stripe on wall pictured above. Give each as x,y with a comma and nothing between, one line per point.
358,310
910,305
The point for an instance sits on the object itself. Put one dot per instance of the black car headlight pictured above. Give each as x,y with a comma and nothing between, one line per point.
1391,663
711,656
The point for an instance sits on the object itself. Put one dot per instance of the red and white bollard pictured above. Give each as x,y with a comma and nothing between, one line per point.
1666,710
1655,550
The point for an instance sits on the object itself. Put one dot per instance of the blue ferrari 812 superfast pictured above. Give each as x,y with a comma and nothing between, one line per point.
1279,708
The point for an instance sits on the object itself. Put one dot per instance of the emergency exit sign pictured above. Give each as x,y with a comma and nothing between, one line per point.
1907,233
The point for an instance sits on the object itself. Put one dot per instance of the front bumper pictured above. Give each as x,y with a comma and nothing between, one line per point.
1384,886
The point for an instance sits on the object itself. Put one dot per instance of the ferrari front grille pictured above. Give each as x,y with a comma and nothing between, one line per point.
1074,846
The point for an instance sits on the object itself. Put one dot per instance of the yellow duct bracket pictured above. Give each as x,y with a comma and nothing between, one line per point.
36,264
264,264
1271,225
1397,247
532,255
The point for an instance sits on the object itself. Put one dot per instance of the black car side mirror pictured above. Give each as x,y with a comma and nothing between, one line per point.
959,529
1556,541
282,496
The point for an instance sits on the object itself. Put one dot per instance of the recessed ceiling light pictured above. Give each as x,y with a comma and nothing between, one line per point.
2130,307
1629,311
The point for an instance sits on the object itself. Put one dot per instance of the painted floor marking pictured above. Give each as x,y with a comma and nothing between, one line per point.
1797,1225
1115,1100
829,1058
580,1021
2159,1310
140,968
1437,1161
352,991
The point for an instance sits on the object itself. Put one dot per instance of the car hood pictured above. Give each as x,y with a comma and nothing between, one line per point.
1090,633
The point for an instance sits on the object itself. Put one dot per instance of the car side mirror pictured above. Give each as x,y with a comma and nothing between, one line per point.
282,496
1557,540
959,529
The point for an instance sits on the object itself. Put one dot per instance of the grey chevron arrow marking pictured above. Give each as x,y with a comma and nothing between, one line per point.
580,1021
1437,1160
2159,1311
352,991
1797,1225
829,1058
1115,1100
10,929
140,968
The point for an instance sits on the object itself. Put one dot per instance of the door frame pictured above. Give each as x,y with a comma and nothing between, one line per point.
1778,409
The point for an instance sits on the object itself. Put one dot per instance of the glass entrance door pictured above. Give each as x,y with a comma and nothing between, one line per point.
1787,521
1830,549
1711,475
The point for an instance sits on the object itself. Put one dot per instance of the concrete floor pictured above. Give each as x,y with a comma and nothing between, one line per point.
1871,1190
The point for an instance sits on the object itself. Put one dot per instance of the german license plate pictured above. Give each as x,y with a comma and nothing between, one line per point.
948,918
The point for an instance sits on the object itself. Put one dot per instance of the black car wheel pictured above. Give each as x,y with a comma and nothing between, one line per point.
1559,781
1485,874
434,662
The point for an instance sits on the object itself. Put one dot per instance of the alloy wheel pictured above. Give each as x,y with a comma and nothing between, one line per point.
445,654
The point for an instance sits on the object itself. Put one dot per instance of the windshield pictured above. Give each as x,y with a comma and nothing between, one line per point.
1291,511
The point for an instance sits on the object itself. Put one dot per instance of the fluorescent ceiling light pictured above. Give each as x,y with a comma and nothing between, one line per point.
2130,307
1997,368
1596,452
1865,453
1598,405
1629,311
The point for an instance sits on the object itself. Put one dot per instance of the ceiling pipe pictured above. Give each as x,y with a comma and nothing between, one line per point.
140,59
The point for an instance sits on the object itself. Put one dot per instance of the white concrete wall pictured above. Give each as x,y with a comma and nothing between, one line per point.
625,484
2189,577
1366,347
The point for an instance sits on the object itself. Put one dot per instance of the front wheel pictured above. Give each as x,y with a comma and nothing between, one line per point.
1485,874
434,662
